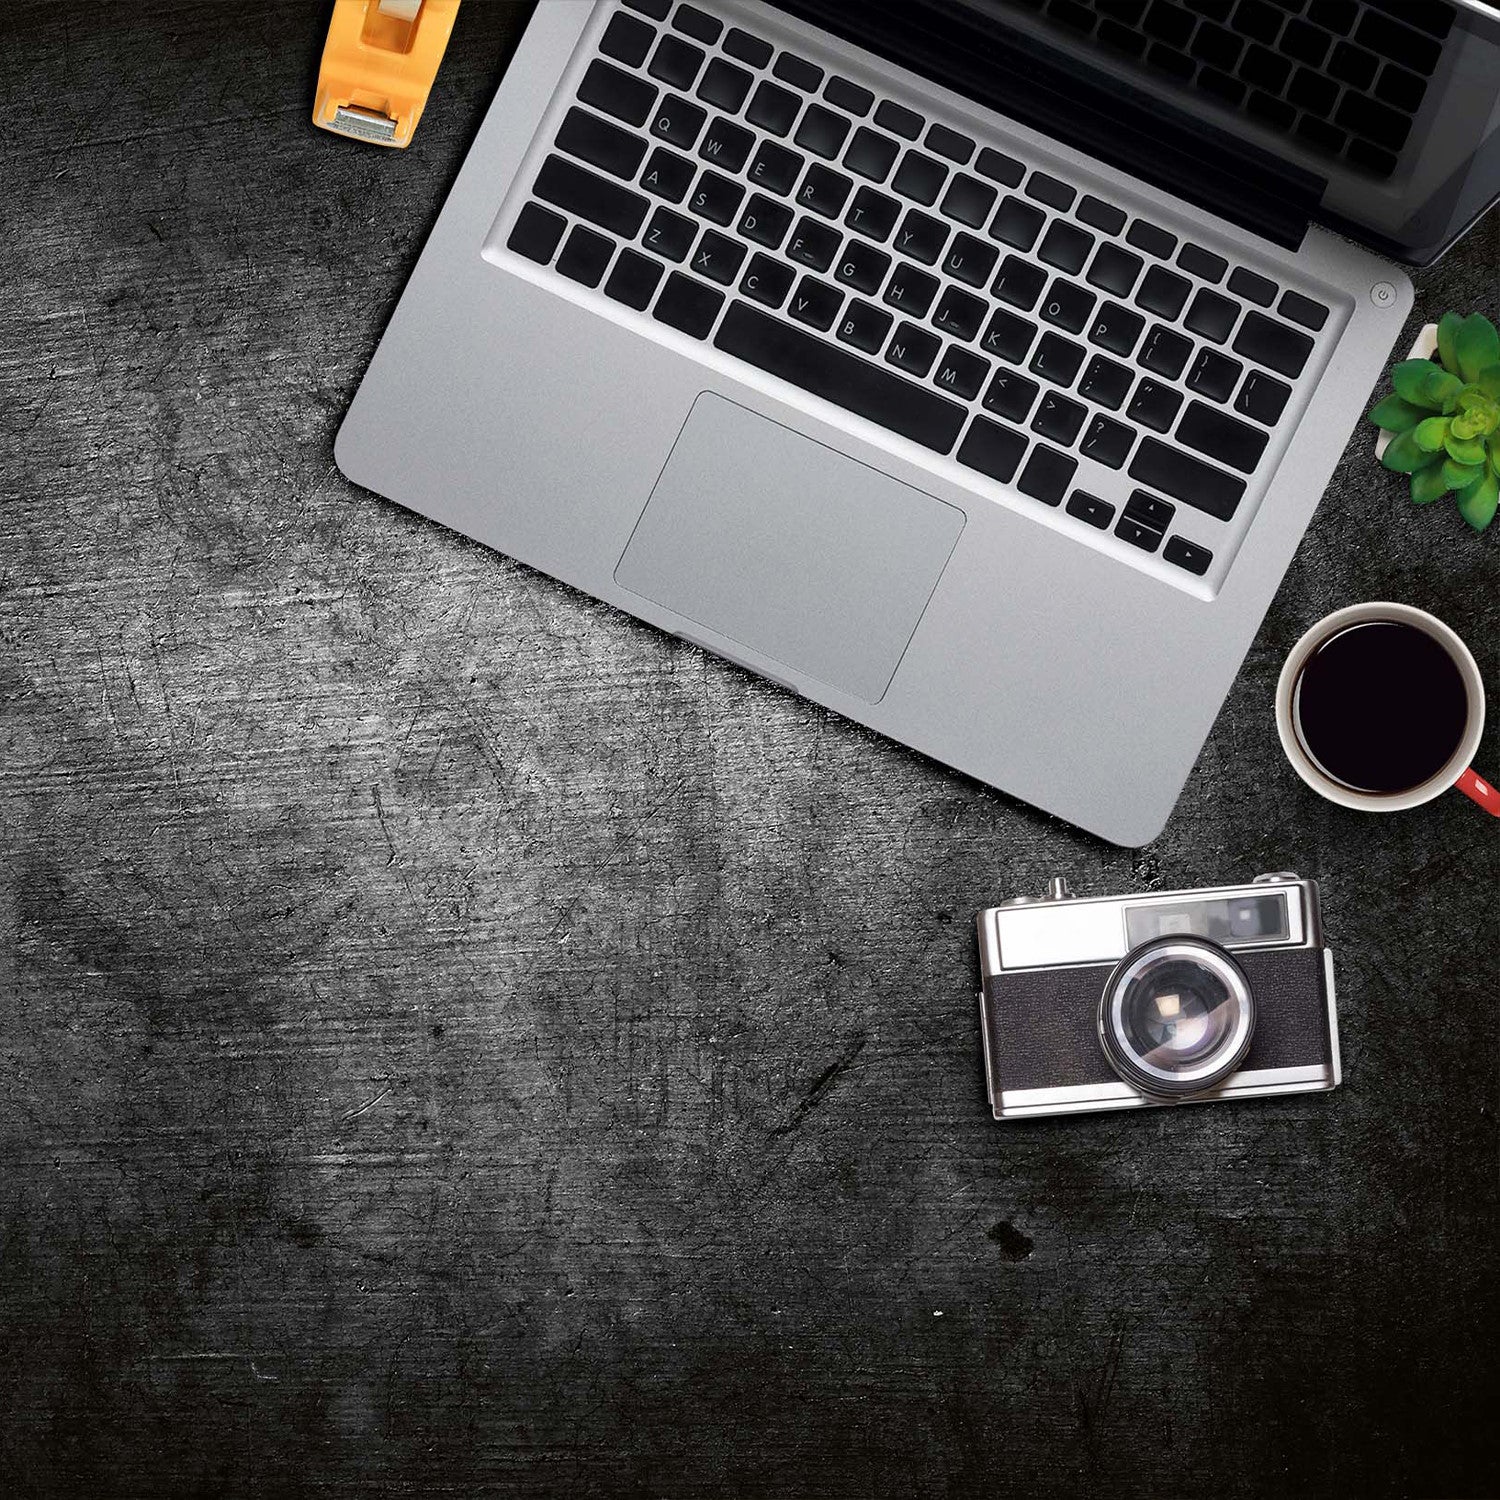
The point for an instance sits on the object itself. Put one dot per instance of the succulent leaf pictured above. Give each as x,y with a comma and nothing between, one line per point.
1403,455
1410,381
1395,414
1432,434
1447,335
1464,450
1428,484
1489,382
1476,502
1476,345
1456,475
1440,389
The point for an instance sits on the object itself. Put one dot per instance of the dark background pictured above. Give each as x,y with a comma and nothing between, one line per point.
454,1039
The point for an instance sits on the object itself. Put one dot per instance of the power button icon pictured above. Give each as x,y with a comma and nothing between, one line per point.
1382,294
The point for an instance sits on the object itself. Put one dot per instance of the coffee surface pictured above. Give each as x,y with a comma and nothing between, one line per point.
1380,707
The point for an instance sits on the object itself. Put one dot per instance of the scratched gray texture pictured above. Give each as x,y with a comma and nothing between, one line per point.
455,1040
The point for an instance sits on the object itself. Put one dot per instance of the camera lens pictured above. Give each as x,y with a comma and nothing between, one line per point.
1176,1016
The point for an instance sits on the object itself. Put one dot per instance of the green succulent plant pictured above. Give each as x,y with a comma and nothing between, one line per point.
1444,419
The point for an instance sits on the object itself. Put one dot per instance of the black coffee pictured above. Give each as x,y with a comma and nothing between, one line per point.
1380,707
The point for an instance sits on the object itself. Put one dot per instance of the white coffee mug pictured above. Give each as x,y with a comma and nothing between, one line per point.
1456,771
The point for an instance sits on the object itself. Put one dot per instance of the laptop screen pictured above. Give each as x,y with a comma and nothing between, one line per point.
1380,118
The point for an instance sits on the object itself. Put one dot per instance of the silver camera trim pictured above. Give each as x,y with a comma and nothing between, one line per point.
1097,924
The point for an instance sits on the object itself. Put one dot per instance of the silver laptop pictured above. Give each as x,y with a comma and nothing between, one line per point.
971,369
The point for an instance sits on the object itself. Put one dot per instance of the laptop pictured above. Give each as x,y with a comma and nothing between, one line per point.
971,368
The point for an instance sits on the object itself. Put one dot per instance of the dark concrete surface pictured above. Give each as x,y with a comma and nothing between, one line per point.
454,1040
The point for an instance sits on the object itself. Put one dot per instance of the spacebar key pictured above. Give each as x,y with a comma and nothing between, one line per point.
826,371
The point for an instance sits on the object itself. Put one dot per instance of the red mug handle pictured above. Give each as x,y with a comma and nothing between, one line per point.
1480,790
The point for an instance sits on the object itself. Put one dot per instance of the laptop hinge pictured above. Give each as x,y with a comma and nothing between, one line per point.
958,45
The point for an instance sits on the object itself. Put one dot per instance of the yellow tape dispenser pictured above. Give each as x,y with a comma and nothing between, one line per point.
378,65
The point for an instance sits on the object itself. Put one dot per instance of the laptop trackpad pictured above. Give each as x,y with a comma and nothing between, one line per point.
789,548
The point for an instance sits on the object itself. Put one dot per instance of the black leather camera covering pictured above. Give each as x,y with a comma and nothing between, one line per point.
1044,1027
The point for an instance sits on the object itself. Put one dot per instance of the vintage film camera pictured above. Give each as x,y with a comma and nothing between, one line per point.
1113,1002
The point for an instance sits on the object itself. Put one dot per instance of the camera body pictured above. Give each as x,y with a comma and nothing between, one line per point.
1120,1002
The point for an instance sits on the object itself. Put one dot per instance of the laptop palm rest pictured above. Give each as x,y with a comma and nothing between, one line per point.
789,548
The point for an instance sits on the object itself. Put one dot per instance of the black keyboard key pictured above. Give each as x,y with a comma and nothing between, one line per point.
633,280
1059,418
920,178
726,144
959,313
1164,352
697,23
871,154
863,267
627,40
718,257
675,62
912,349
815,303
798,72
1353,65
1263,397
848,95
678,121
749,49
536,233
1204,264
767,280
1017,223
765,221
1152,238
898,119
864,326
668,175
1101,215
992,450
1154,405
1090,508
775,168
1116,328
1185,554
688,305
950,143
669,234
1186,478
1068,305
999,167
824,191
1057,359
1107,442
1150,510
579,192
969,200
1163,292
911,290
1275,345
656,9
773,108
612,92
1214,375
813,364
1138,534
724,85
1065,246
873,214
1302,310
1010,395
1105,383
970,260
716,198
1235,444
1051,191
814,244
822,132
599,143
1008,336
1114,270
1251,287
961,373
1211,316
1047,475
921,236
1019,282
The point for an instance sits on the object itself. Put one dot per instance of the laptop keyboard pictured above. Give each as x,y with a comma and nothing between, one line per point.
938,286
